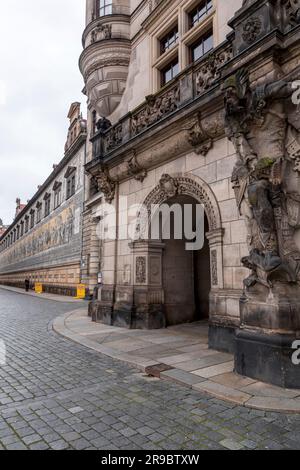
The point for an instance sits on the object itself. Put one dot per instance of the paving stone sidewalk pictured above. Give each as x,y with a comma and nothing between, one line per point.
179,354
55,394
44,295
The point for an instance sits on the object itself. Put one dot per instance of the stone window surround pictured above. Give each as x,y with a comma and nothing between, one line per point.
187,36
39,207
47,199
70,177
57,188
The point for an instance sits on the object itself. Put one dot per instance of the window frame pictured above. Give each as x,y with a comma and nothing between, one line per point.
169,67
203,5
32,219
201,41
39,210
47,208
101,10
71,185
171,38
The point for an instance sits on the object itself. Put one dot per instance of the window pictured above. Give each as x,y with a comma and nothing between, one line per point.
198,13
38,212
18,232
71,181
26,224
105,7
202,46
71,185
57,198
94,122
32,218
47,199
22,229
169,72
57,194
169,40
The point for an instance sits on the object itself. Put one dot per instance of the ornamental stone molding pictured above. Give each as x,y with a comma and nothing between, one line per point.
104,62
102,31
105,184
209,71
188,185
202,134
156,108
252,29
135,170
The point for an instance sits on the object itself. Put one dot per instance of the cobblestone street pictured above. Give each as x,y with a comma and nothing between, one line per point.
55,394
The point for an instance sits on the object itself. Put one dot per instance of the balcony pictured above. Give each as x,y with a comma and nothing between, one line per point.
188,86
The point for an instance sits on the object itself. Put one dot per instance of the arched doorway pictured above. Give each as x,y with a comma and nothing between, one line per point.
185,273
171,286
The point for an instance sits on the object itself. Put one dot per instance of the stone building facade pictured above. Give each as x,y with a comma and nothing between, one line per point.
3,228
44,242
191,102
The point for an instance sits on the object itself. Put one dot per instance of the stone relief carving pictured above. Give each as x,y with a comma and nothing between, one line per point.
292,11
156,109
267,146
102,31
168,186
202,133
135,170
171,186
105,184
252,29
287,12
114,138
155,270
141,275
209,71
214,268
57,232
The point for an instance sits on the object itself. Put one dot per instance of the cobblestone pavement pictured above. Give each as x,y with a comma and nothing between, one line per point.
59,395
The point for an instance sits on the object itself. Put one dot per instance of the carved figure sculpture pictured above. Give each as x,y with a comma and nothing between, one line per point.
267,146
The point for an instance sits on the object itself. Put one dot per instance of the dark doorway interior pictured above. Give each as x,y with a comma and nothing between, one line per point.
186,278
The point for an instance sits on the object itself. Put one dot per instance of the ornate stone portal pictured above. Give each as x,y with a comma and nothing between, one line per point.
267,146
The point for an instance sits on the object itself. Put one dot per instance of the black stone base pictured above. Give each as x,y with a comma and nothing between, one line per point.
267,358
151,319
221,338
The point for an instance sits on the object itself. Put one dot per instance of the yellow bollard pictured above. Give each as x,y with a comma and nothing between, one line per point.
38,287
81,291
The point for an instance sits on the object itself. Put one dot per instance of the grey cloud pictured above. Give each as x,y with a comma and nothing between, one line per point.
40,42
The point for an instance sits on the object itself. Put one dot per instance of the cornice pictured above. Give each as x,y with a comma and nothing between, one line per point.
156,12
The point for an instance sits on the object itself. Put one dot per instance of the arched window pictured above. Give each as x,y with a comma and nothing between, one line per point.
104,7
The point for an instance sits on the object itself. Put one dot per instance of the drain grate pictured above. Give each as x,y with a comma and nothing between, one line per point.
157,369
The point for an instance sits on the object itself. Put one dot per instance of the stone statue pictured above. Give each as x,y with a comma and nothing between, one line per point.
103,124
267,146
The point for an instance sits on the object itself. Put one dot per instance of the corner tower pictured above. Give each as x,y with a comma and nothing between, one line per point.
104,61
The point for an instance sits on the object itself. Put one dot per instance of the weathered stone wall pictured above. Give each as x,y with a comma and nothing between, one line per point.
50,252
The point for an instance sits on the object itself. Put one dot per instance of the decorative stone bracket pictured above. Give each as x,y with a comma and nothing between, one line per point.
202,133
105,184
135,170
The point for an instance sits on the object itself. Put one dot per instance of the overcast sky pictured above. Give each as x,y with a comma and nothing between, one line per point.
40,43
